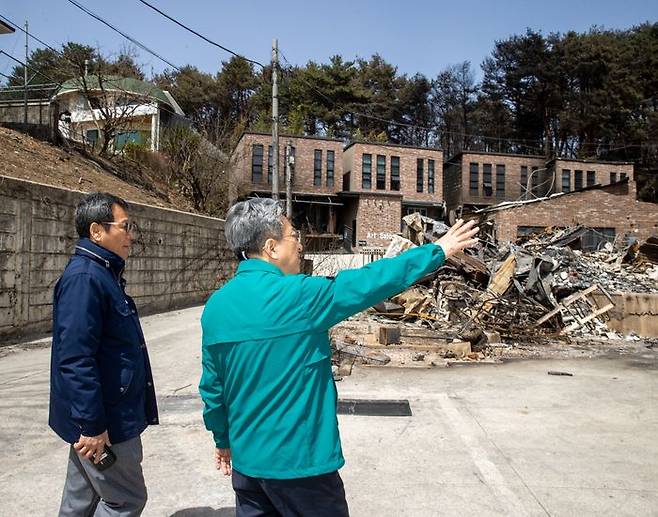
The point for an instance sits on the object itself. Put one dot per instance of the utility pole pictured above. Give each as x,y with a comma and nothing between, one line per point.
275,119
25,80
289,164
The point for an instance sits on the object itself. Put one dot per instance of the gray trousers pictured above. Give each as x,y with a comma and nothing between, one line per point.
118,491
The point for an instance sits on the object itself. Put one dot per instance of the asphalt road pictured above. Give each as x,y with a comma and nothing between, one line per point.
483,439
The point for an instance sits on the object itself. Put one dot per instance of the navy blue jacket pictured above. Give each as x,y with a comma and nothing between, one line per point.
100,375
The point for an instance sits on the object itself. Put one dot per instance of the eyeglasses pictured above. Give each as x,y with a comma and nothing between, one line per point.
126,226
295,234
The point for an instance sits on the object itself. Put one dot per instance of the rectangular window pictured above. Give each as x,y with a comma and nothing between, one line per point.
256,163
317,168
591,178
366,171
595,238
500,180
430,176
613,177
622,176
270,163
535,181
473,180
486,179
395,173
524,179
577,179
566,180
420,175
381,172
330,168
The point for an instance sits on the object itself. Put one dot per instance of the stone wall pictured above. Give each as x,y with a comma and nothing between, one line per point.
177,260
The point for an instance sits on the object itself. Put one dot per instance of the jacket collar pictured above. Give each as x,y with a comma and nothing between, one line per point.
254,264
87,248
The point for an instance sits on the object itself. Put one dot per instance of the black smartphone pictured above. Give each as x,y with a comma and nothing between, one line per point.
107,459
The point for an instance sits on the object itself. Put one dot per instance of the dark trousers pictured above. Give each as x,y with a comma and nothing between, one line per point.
316,496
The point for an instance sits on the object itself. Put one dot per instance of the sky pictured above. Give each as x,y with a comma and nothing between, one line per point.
417,36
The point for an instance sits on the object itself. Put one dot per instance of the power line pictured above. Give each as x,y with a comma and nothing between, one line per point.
28,67
28,33
523,142
119,31
206,39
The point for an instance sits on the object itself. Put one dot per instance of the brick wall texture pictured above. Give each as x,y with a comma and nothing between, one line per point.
613,206
177,260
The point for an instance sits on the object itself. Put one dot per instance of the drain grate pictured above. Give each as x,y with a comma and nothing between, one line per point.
367,407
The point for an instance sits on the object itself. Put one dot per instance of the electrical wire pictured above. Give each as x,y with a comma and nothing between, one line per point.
206,39
119,31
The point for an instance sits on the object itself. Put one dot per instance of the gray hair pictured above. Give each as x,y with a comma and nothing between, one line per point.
250,223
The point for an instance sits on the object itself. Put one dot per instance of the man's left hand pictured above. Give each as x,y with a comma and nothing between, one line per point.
223,461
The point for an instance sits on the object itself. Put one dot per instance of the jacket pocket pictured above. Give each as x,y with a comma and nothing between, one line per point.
117,392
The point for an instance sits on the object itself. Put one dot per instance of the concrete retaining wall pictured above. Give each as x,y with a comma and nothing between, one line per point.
178,258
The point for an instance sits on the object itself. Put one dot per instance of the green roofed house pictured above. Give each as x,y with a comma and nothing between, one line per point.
137,110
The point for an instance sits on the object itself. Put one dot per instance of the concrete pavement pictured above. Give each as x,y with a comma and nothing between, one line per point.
483,439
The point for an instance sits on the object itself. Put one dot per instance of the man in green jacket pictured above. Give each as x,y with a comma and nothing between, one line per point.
269,395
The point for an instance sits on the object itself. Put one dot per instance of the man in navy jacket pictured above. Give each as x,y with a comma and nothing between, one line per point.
101,386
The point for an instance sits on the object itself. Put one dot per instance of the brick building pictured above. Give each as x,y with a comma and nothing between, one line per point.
611,211
475,180
356,195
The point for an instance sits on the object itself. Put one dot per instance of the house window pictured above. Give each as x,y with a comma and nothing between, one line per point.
330,168
594,238
591,178
577,179
430,176
524,180
270,163
486,179
256,163
500,180
473,182
622,176
613,177
366,171
535,181
381,172
420,175
566,180
395,173
528,230
92,137
317,168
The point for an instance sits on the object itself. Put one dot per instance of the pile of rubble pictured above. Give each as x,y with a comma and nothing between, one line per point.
534,290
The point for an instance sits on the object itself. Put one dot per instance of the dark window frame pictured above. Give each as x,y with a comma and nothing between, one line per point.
257,163
430,176
270,163
317,167
474,178
524,180
366,175
566,180
577,179
380,178
420,174
330,167
613,177
487,187
500,180
395,173
590,178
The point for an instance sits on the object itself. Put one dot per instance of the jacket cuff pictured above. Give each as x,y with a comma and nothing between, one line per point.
222,442
92,428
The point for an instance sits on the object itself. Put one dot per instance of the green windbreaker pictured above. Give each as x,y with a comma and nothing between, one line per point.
267,385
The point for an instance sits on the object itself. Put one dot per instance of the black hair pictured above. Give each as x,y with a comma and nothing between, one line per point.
96,208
